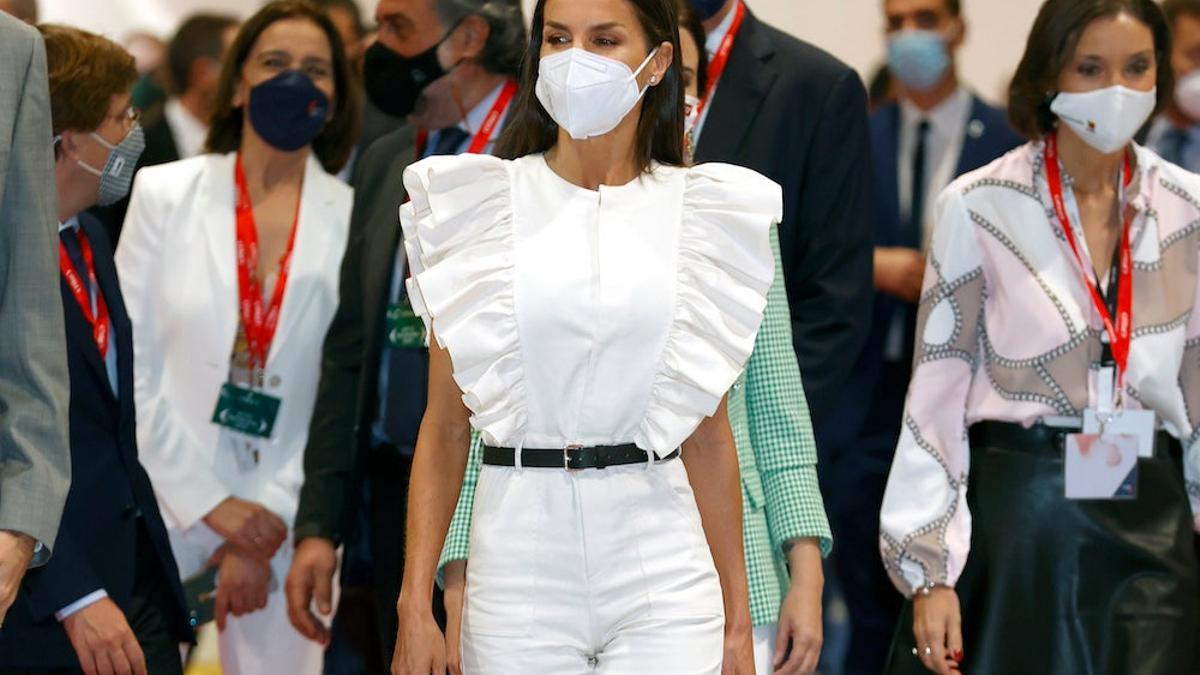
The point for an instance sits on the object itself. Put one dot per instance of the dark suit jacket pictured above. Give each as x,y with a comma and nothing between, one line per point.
97,541
988,136
799,116
347,400
160,149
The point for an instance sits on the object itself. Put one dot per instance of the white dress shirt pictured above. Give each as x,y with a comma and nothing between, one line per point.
189,133
943,147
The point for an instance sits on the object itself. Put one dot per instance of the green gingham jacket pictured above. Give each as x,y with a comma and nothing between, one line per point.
777,455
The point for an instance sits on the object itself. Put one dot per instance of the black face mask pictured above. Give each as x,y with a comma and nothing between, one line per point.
394,82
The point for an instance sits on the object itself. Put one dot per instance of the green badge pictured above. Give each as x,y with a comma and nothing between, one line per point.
246,411
405,330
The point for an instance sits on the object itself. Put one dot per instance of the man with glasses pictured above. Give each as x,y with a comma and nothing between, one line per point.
109,600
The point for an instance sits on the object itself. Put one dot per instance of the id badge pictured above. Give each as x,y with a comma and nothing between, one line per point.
1101,466
1138,424
246,411
405,330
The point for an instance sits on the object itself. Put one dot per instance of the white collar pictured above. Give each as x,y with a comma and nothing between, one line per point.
71,224
189,133
953,111
712,41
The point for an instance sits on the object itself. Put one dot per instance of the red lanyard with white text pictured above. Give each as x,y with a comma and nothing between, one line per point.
258,321
486,130
98,320
1120,327
720,58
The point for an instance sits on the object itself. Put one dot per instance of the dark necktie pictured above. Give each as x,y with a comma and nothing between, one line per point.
407,373
916,212
449,141
916,230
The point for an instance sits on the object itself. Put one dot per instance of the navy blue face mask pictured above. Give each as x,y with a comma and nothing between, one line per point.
707,9
288,111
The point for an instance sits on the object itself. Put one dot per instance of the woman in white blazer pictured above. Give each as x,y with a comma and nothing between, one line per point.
229,263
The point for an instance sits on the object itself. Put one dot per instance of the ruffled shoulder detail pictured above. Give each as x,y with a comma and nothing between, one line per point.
458,235
724,270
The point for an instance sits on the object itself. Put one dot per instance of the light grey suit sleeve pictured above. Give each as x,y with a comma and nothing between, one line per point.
35,459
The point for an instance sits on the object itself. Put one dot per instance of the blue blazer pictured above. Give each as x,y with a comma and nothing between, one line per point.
988,136
97,540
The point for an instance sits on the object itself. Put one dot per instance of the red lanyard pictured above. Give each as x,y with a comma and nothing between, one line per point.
481,140
99,320
1119,332
720,58
258,322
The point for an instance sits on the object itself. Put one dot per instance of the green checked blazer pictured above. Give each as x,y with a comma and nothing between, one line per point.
777,455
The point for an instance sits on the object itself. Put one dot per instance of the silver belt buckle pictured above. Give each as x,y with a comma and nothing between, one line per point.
567,457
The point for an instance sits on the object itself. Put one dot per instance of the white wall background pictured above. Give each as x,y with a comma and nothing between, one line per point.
850,29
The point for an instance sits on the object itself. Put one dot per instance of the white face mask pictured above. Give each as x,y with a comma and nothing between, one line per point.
587,94
1106,119
1187,95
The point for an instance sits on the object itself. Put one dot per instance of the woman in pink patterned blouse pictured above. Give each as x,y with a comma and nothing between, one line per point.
1061,292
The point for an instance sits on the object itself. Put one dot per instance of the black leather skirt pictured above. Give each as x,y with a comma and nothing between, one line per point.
1060,587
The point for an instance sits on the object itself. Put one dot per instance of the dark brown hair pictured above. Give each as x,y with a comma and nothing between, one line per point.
85,72
660,127
1173,9
1051,45
333,145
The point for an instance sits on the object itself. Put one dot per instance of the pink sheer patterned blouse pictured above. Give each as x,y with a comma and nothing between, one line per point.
1008,333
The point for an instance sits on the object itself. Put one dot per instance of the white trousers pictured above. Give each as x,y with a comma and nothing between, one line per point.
262,642
599,571
764,648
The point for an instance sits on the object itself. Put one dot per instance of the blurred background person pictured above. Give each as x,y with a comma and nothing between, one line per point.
25,10
347,18
373,385
1062,288
1175,133
176,129
35,460
229,262
110,599
150,54
936,130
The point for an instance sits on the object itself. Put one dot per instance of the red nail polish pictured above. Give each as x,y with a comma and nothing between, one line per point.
958,655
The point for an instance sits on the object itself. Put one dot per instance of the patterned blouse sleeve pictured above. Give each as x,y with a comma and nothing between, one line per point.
925,526
1189,381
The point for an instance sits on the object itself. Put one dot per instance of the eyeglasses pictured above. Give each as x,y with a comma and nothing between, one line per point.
130,116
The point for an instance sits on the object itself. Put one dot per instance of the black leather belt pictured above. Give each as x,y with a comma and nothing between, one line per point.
1041,439
572,458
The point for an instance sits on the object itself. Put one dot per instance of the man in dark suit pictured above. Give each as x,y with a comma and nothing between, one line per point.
936,131
178,128
109,600
799,116
372,392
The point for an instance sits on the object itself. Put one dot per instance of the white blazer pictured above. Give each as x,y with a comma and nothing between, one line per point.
178,271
